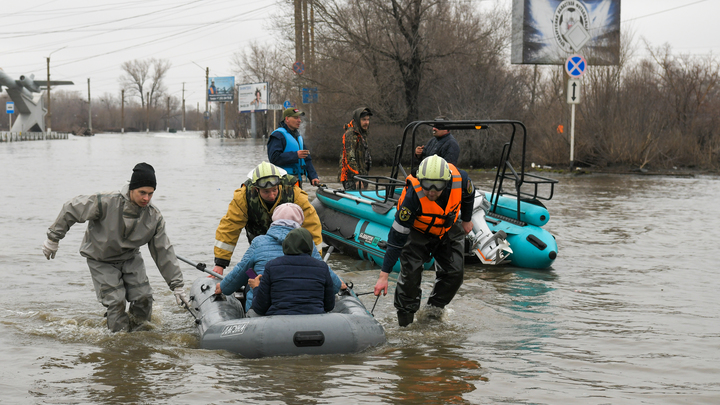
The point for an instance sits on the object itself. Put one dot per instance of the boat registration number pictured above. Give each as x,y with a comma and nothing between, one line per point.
369,239
236,329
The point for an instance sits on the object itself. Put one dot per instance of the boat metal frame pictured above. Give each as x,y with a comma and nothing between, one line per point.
506,171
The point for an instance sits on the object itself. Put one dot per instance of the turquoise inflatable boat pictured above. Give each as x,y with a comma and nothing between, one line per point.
507,221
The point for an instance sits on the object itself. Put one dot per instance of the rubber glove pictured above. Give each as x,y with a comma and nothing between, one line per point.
180,296
50,248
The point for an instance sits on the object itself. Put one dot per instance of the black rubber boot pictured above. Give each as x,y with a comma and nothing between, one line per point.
405,318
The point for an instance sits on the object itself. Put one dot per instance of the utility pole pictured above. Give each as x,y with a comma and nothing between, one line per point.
147,113
49,113
167,116
206,117
306,49
122,111
183,107
311,56
298,31
306,35
222,119
298,37
89,109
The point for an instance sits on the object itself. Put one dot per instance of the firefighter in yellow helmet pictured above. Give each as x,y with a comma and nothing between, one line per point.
433,215
252,206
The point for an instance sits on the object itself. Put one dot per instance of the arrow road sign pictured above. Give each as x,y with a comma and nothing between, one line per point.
573,91
575,66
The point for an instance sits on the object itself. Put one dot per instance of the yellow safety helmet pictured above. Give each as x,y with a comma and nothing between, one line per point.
434,172
434,168
266,175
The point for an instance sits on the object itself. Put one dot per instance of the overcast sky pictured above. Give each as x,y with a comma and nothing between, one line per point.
90,39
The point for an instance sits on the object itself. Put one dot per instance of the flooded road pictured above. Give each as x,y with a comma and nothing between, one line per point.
629,312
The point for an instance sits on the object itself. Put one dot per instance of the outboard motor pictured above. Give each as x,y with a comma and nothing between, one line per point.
490,248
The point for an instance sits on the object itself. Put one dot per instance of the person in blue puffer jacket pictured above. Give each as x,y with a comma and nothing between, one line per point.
296,283
264,248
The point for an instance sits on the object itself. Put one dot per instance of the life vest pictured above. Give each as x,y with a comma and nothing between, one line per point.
345,168
259,216
433,219
293,145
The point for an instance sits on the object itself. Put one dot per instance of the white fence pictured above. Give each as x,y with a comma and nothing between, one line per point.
30,136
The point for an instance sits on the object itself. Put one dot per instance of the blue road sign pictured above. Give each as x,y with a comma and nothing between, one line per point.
10,107
287,104
299,67
575,66
309,95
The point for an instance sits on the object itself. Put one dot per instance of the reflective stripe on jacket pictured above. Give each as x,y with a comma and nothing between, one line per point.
239,212
433,219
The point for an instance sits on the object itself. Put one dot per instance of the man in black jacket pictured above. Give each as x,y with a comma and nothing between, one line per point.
443,144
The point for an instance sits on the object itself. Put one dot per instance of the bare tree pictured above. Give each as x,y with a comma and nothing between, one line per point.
141,74
261,63
396,38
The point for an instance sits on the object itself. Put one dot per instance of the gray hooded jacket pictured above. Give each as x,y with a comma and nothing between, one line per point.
117,228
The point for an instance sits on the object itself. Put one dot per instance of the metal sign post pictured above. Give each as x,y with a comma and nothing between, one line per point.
10,109
222,119
573,97
575,67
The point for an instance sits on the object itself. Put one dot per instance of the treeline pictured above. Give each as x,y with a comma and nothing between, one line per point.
71,113
416,59
143,103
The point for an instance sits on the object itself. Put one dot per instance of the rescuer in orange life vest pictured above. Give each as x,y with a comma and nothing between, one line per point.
426,225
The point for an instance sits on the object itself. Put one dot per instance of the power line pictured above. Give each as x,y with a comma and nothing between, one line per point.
663,11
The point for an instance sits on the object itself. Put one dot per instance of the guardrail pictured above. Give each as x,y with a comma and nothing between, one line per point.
6,136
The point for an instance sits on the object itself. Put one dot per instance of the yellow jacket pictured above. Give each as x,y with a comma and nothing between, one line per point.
228,232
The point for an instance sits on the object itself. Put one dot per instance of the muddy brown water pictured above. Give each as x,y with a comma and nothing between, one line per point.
629,312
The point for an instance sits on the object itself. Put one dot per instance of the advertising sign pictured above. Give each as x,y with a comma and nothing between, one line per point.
548,31
253,97
221,88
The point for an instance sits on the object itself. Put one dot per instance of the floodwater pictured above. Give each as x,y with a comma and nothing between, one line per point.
628,314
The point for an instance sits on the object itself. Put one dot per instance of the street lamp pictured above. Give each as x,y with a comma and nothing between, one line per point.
49,113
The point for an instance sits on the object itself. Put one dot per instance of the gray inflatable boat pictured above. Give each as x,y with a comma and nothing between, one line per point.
221,321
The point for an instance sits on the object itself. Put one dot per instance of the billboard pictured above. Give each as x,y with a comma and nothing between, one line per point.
221,88
547,32
253,97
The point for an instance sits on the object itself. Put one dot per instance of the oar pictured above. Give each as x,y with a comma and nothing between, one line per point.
373,308
201,267
366,293
349,284
327,255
